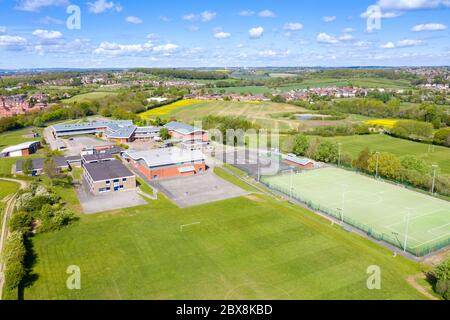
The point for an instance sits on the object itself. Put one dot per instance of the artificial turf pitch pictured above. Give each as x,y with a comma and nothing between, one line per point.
381,207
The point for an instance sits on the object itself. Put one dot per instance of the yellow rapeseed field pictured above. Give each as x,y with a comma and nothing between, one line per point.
167,109
386,123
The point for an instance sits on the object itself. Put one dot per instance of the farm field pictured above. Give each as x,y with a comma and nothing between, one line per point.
257,112
376,207
249,89
86,97
253,247
353,145
359,82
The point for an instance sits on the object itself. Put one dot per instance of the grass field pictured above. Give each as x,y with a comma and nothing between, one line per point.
254,247
7,188
11,138
90,96
380,206
257,112
359,82
249,89
353,145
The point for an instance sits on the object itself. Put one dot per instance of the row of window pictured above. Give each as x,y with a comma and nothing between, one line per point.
116,181
108,189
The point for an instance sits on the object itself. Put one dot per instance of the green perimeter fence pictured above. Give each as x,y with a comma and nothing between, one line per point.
420,251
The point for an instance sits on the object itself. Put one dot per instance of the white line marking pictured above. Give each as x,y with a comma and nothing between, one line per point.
188,225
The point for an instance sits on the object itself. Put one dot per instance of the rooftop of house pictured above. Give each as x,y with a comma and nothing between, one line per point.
297,160
38,164
166,156
110,170
98,157
182,128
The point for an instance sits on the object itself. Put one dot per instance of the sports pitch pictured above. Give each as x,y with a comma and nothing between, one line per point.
378,207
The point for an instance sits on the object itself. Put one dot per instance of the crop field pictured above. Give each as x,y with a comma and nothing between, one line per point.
254,247
385,123
394,214
257,112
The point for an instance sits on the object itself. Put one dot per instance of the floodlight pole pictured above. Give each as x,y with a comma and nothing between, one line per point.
343,207
378,160
406,230
433,186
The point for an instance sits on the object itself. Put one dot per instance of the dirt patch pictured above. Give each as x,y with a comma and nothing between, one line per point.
255,198
437,258
412,280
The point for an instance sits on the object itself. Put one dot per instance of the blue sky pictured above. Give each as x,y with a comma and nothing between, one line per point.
200,33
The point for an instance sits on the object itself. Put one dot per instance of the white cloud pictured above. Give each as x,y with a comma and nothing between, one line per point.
267,14
2,29
346,37
36,5
349,30
205,16
256,32
326,38
274,54
383,14
111,48
222,35
12,41
402,44
429,27
388,45
404,5
169,47
133,20
100,6
293,26
47,35
247,13
329,18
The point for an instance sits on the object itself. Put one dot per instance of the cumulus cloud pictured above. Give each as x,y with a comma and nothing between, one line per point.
404,5
168,47
2,29
346,37
117,49
36,5
293,26
402,44
133,20
274,53
222,35
101,6
429,27
267,14
329,18
326,38
247,13
7,40
256,32
47,35
205,16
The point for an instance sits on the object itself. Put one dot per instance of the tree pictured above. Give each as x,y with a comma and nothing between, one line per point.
442,137
301,144
389,165
362,162
27,166
327,152
164,133
440,278
51,169
413,163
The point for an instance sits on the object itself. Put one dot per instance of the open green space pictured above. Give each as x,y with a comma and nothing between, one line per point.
249,89
7,188
353,145
246,248
11,138
390,212
357,82
90,96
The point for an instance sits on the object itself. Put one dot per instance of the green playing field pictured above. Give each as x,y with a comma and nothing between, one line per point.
386,211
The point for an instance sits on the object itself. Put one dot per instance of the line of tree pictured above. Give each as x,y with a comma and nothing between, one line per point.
183,74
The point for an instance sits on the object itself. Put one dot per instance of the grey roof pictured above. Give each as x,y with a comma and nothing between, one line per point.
98,157
148,129
117,131
181,127
90,125
38,164
165,157
300,161
108,170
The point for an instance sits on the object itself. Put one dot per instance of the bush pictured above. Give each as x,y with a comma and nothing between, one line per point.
14,274
440,279
14,257
21,221
327,152
442,137
301,145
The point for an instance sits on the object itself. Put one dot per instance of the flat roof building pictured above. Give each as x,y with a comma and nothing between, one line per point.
166,163
183,132
21,150
109,176
37,165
